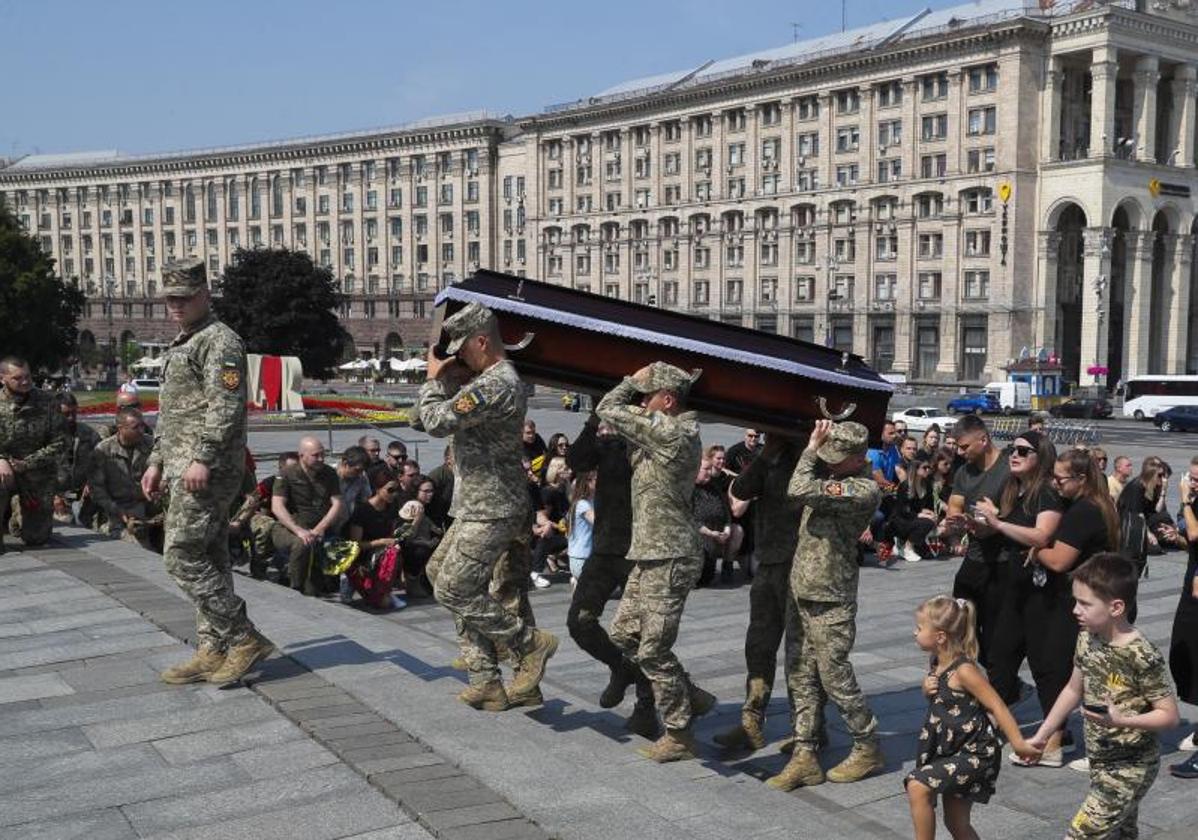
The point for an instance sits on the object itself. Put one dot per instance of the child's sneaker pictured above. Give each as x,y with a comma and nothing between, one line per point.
539,580
1187,743
910,554
397,603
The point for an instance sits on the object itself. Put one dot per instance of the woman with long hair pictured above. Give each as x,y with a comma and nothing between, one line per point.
580,523
914,513
1089,525
1026,517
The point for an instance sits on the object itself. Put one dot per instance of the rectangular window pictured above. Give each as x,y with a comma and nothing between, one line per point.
446,194
890,133
883,347
977,284
973,347
672,130
979,201
771,113
983,79
736,188
933,166
890,170
804,289
934,86
736,154
927,349
422,196
733,292
848,139
735,119
977,243
928,285
372,200
807,108
848,101
347,203
807,144
979,160
886,247
890,94
931,245
935,127
983,120
884,286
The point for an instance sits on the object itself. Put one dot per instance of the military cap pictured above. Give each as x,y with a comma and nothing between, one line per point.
667,377
470,320
843,441
184,277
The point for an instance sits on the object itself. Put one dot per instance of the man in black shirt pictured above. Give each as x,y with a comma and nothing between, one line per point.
979,578
606,571
740,455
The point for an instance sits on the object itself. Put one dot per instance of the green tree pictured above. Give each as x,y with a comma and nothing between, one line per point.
281,304
130,353
38,310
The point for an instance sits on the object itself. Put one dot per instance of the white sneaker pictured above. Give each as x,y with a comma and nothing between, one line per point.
910,554
1187,743
345,590
539,581
397,603
1082,765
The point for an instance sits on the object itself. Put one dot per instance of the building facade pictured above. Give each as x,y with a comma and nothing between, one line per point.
938,194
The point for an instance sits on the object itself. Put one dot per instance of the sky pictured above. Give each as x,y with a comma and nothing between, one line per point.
165,75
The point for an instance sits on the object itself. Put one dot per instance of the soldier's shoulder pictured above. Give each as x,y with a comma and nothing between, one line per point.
221,337
41,399
108,445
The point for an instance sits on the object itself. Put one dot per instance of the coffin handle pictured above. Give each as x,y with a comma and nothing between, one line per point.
521,344
844,414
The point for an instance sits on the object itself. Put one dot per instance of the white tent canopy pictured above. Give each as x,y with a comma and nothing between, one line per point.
355,364
147,363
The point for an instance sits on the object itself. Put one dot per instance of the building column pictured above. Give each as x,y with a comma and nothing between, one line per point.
1046,297
1179,252
1182,125
1147,76
1104,67
1050,131
1096,300
1137,307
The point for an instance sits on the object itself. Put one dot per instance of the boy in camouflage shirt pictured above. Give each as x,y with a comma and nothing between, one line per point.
1120,679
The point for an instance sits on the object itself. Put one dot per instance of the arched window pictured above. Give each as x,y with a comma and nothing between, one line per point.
234,202
276,196
582,233
734,221
802,215
255,199
189,204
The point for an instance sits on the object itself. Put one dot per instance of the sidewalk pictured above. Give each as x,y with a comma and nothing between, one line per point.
568,769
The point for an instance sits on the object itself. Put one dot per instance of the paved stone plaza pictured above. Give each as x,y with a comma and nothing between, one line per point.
357,733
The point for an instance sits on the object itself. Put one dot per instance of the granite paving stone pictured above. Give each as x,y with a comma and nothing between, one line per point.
35,687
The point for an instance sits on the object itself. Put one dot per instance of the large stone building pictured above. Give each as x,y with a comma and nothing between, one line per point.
935,193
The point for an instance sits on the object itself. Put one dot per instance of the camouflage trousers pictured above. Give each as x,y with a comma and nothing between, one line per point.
32,501
645,628
474,576
260,526
769,597
196,551
818,668
1111,808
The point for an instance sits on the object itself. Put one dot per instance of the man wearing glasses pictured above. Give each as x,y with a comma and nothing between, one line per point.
982,476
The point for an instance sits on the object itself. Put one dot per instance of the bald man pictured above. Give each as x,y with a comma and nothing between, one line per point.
306,502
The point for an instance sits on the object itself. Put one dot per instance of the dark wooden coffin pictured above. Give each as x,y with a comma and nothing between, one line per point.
585,342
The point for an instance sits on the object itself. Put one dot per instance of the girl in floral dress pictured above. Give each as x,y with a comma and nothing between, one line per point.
959,747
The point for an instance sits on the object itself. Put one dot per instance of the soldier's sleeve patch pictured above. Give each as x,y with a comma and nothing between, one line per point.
837,489
230,377
468,402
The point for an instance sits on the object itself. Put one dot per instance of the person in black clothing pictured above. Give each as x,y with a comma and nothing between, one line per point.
913,514
597,448
1025,517
980,578
549,531
534,448
443,480
739,455
1144,496
1089,525
420,543
713,518
1183,644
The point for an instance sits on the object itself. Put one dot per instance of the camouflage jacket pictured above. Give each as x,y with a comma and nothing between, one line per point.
76,465
665,456
33,432
201,406
776,515
116,473
835,513
1135,677
485,418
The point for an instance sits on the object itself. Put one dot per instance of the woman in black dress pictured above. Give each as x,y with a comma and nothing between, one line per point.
914,513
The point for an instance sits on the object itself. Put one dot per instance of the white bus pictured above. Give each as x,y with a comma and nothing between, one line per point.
1144,396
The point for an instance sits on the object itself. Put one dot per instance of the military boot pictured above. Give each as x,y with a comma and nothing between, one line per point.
197,669
532,697
864,759
788,744
802,770
240,658
643,721
532,664
702,701
622,676
675,745
489,697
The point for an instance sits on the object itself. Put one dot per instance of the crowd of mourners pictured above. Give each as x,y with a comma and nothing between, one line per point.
1024,518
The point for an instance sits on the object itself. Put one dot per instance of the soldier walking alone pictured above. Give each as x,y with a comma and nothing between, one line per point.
199,452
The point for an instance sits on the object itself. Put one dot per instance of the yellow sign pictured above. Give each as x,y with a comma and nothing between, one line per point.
1154,187
1004,192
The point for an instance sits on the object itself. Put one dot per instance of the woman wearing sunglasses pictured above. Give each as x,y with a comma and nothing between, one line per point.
1026,517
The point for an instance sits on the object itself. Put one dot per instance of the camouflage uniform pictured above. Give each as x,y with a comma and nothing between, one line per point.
201,418
115,482
75,468
1123,762
490,509
34,433
776,532
665,542
823,588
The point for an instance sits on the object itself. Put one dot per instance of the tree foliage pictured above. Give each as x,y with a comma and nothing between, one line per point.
281,304
38,311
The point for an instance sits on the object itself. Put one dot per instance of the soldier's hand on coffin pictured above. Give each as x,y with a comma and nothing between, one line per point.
642,376
819,434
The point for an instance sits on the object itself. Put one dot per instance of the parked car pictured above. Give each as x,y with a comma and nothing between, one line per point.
922,418
147,384
1181,418
976,403
1084,407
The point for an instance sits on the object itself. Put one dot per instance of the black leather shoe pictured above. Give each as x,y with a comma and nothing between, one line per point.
1187,769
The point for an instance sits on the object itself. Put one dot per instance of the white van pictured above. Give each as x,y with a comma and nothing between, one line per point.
1013,397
